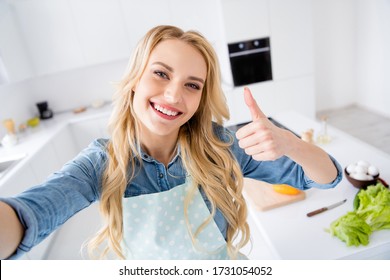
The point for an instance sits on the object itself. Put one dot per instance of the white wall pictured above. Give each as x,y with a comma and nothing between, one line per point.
373,52
15,102
352,60
334,26
79,87
12,46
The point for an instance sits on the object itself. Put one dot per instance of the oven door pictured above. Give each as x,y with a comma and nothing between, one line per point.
250,61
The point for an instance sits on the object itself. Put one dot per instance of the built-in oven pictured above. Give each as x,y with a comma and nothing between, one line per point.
250,61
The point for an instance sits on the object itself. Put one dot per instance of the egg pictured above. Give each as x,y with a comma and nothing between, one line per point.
361,169
351,168
373,170
363,163
361,176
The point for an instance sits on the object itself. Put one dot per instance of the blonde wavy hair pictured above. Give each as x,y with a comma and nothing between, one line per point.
205,157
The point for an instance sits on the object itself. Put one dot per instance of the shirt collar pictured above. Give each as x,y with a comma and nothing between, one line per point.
148,158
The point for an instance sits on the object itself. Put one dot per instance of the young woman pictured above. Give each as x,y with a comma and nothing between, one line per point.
170,178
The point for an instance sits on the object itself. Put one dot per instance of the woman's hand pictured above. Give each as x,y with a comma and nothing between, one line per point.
261,139
264,141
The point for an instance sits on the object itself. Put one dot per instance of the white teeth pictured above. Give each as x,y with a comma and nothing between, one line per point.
164,110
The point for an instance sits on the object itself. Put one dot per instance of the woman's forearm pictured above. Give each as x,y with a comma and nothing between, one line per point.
11,231
315,162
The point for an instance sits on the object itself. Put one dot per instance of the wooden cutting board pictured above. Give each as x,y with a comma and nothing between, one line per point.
263,197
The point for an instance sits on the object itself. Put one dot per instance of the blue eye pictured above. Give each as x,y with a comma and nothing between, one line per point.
161,74
193,86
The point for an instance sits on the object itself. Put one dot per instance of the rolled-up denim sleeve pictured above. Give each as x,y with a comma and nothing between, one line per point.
280,171
43,208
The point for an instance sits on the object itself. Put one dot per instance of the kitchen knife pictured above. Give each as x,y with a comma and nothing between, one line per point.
323,209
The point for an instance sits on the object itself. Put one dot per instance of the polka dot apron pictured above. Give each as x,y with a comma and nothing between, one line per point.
155,227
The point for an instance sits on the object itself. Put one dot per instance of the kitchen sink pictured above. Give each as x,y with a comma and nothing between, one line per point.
8,162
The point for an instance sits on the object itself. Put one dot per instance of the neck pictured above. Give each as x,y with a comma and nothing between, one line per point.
161,148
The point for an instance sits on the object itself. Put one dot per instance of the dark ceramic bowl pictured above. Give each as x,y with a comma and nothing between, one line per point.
361,184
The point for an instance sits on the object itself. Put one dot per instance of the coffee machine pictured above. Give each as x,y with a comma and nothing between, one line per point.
44,111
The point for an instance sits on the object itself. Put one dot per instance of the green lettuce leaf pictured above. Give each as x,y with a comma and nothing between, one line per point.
351,229
374,206
371,213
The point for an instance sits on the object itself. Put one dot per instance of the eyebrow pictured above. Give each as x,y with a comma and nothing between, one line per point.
171,70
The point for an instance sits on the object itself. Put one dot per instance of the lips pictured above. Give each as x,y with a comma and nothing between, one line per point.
165,111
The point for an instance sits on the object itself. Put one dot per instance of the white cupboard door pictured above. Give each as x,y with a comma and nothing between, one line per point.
45,162
143,15
49,29
101,30
23,179
70,238
203,16
245,20
291,38
85,132
13,52
64,145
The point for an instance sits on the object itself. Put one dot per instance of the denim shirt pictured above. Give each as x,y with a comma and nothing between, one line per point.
43,208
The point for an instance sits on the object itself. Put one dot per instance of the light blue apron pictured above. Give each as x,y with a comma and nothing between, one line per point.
154,227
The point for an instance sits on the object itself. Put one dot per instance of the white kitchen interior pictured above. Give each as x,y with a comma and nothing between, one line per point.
325,55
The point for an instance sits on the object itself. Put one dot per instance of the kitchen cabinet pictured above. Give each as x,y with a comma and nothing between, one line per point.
48,30
13,52
86,131
74,233
64,145
244,20
287,23
291,38
35,171
48,149
45,162
23,178
100,30
204,17
135,15
62,35
41,37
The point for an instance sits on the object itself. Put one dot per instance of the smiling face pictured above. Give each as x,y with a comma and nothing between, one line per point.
170,89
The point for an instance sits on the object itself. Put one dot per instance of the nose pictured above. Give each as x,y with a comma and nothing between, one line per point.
172,94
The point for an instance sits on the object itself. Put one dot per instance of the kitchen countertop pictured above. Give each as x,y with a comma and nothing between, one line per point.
290,234
34,139
281,233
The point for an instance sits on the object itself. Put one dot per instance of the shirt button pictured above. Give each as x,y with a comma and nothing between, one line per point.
161,175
